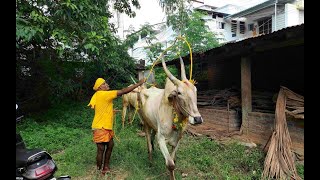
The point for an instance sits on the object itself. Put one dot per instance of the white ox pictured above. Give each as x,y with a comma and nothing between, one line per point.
158,109
130,103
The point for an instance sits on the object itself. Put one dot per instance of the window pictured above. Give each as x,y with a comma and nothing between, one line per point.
265,26
234,28
220,25
220,15
250,27
242,27
214,15
217,15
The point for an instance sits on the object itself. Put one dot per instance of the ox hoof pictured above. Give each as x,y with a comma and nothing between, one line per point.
171,167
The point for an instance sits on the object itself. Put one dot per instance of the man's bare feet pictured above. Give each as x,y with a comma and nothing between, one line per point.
105,170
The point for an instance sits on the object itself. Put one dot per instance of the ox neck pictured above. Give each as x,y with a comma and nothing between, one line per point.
179,121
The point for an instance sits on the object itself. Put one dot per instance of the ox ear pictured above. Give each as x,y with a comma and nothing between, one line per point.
172,95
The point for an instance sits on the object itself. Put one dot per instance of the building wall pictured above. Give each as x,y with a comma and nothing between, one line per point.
221,119
261,126
224,74
226,34
292,15
214,26
280,22
301,16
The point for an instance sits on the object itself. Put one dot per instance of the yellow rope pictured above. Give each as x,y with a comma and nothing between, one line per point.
190,52
135,112
154,63
114,125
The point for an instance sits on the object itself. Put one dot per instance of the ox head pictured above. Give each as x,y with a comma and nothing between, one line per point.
184,95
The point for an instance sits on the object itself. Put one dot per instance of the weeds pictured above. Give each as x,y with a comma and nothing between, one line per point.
65,132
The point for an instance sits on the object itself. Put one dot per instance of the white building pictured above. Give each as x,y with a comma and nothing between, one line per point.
267,17
216,22
234,23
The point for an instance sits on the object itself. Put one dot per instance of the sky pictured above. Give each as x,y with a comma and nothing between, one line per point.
152,13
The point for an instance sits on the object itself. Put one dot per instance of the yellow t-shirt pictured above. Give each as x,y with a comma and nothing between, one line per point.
103,116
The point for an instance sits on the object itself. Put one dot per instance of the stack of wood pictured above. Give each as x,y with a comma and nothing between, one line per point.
205,97
279,162
262,101
230,98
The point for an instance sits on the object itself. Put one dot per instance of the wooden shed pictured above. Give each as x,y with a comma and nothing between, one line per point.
239,81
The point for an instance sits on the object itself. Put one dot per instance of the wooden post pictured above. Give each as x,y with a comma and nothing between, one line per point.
140,68
246,96
140,74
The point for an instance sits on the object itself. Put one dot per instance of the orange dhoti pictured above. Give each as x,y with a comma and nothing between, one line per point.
102,135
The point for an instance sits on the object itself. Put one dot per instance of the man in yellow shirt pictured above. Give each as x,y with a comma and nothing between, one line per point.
102,124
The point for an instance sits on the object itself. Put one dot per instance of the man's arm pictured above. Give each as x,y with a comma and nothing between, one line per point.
130,88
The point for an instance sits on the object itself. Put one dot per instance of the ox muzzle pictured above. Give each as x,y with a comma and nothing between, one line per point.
198,120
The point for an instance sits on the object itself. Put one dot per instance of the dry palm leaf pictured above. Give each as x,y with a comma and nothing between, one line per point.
279,162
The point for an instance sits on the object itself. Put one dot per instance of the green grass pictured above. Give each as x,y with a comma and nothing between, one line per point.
65,132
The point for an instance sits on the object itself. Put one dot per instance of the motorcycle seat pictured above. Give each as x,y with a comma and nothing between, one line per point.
22,156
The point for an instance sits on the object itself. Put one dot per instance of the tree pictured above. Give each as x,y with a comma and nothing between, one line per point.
196,32
62,46
189,25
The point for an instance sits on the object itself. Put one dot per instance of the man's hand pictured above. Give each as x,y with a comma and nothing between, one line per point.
143,80
131,88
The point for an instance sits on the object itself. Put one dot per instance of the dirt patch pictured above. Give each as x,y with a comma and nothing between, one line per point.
224,136
93,174
220,135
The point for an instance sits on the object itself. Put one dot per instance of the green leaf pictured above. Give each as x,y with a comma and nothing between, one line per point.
88,46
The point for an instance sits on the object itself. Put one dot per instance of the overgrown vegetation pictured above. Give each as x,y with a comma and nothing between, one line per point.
63,46
64,131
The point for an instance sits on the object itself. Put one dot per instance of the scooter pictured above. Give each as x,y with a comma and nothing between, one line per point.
34,164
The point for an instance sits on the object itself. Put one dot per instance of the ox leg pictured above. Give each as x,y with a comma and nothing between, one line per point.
148,137
172,177
124,111
169,162
173,154
141,121
130,115
153,136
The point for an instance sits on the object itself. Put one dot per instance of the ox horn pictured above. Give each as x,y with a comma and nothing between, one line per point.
183,71
168,73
